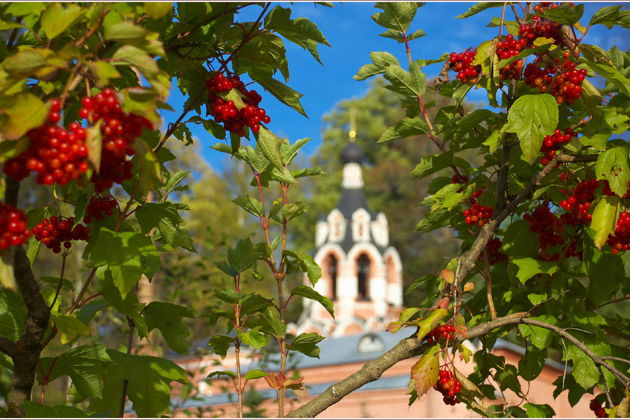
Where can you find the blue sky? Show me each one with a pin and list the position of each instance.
(353, 35)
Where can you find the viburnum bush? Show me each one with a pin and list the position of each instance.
(542, 220)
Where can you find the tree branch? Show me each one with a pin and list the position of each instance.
(412, 346)
(7, 346)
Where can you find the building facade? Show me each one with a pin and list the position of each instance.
(361, 272)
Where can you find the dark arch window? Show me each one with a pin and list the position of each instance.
(363, 263)
(332, 273)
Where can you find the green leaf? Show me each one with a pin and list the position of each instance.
(168, 318)
(243, 256)
(431, 164)
(539, 410)
(283, 93)
(12, 314)
(612, 165)
(426, 324)
(529, 267)
(584, 371)
(269, 145)
(147, 167)
(611, 74)
(220, 344)
(134, 56)
(405, 316)
(250, 205)
(94, 144)
(253, 338)
(290, 151)
(221, 373)
(270, 322)
(305, 264)
(610, 16)
(425, 372)
(57, 18)
(395, 15)
(306, 343)
(540, 337)
(84, 365)
(312, 294)
(479, 7)
(253, 303)
(604, 219)
(227, 295)
(381, 60)
(69, 327)
(147, 380)
(300, 31)
(532, 362)
(406, 127)
(254, 374)
(532, 117)
(566, 14)
(25, 112)
(124, 31)
(293, 210)
(25, 62)
(403, 82)
(33, 409)
(128, 306)
(157, 10)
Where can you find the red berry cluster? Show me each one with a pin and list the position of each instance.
(579, 203)
(99, 207)
(539, 28)
(478, 214)
(459, 179)
(597, 408)
(506, 48)
(620, 240)
(449, 386)
(56, 154)
(445, 332)
(233, 119)
(493, 250)
(548, 228)
(563, 82)
(553, 142)
(119, 130)
(13, 229)
(461, 63)
(58, 230)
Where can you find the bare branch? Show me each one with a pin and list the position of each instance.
(7, 346)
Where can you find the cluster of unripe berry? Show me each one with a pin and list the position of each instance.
(564, 82)
(13, 229)
(442, 332)
(477, 214)
(553, 142)
(506, 48)
(462, 64)
(225, 111)
(119, 130)
(99, 207)
(58, 231)
(56, 154)
(597, 408)
(448, 386)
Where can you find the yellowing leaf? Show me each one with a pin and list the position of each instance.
(425, 372)
(26, 112)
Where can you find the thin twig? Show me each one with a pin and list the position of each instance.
(123, 398)
(63, 267)
(493, 311)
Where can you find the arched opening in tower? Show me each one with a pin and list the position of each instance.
(363, 277)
